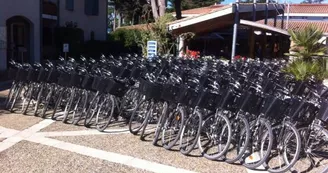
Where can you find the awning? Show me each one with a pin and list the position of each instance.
(263, 26)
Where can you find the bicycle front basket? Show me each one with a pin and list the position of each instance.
(323, 112)
(76, 80)
(188, 96)
(150, 89)
(208, 100)
(21, 75)
(274, 108)
(87, 82)
(170, 93)
(250, 102)
(116, 88)
(64, 79)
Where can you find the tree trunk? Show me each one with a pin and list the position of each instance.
(119, 20)
(114, 23)
(177, 4)
(162, 7)
(154, 8)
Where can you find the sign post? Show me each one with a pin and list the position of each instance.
(151, 49)
(65, 49)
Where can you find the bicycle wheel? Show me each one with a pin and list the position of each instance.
(10, 96)
(190, 132)
(314, 150)
(241, 135)
(160, 123)
(47, 102)
(286, 150)
(215, 136)
(38, 100)
(57, 104)
(172, 128)
(139, 116)
(92, 110)
(155, 112)
(105, 115)
(69, 105)
(80, 107)
(27, 99)
(129, 103)
(261, 144)
(20, 91)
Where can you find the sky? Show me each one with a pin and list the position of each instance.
(282, 1)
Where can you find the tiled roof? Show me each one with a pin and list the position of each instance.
(294, 8)
(218, 8)
(297, 25)
(308, 8)
(201, 10)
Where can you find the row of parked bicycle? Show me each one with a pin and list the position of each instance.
(229, 111)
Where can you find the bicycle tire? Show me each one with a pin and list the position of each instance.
(88, 117)
(38, 100)
(58, 102)
(68, 106)
(46, 103)
(15, 98)
(160, 123)
(245, 130)
(264, 157)
(226, 125)
(185, 150)
(83, 100)
(10, 94)
(28, 98)
(180, 117)
(110, 110)
(142, 121)
(286, 137)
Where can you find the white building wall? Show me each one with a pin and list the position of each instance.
(30, 9)
(98, 24)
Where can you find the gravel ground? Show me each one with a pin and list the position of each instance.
(128, 144)
(59, 126)
(304, 165)
(18, 122)
(30, 157)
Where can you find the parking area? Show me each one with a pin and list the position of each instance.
(33, 144)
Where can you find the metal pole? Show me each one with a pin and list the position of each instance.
(254, 10)
(235, 28)
(266, 11)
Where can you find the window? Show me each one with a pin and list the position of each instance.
(70, 5)
(91, 7)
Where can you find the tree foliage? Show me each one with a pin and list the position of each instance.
(157, 31)
(307, 43)
(310, 54)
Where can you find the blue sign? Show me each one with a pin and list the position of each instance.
(151, 49)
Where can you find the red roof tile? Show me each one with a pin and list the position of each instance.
(308, 8)
(201, 10)
(297, 25)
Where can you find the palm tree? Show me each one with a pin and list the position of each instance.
(307, 43)
(310, 53)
